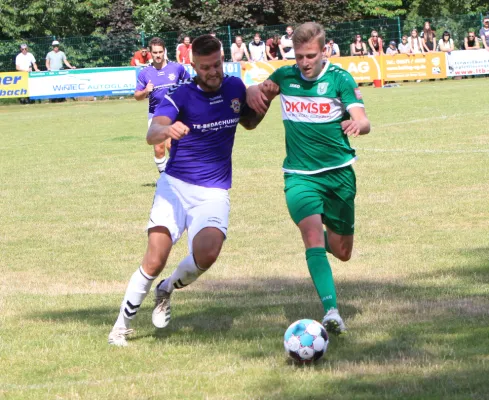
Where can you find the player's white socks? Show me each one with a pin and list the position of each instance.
(187, 272)
(161, 163)
(137, 289)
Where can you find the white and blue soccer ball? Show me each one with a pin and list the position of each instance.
(306, 340)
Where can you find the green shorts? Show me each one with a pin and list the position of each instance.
(330, 194)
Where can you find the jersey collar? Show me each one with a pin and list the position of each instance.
(323, 71)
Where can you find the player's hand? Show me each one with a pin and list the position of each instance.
(256, 99)
(149, 87)
(270, 89)
(350, 128)
(178, 130)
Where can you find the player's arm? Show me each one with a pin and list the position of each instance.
(48, 64)
(258, 97)
(358, 124)
(34, 65)
(163, 128)
(250, 118)
(143, 92)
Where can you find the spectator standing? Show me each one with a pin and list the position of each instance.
(375, 44)
(332, 49)
(392, 49)
(257, 49)
(446, 43)
(184, 51)
(404, 47)
(286, 45)
(213, 34)
(25, 61)
(141, 57)
(56, 58)
(428, 38)
(484, 33)
(415, 43)
(272, 47)
(239, 50)
(358, 47)
(471, 42)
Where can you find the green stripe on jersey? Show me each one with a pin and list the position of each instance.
(312, 112)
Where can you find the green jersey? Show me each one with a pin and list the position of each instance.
(312, 111)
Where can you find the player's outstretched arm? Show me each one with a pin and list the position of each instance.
(258, 97)
(161, 128)
(358, 124)
(250, 119)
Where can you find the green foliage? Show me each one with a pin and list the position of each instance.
(376, 8)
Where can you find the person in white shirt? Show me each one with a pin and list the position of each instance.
(415, 42)
(257, 49)
(404, 47)
(286, 46)
(25, 61)
(446, 43)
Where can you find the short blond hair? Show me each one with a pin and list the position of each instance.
(307, 32)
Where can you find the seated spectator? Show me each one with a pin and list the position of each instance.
(415, 43)
(392, 49)
(446, 43)
(272, 47)
(358, 47)
(184, 51)
(484, 33)
(239, 50)
(404, 47)
(286, 46)
(471, 42)
(56, 58)
(141, 57)
(375, 44)
(428, 38)
(332, 49)
(257, 49)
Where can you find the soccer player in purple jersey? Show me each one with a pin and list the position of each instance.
(200, 116)
(153, 83)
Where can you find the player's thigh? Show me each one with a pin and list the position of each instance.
(312, 231)
(339, 200)
(302, 197)
(213, 212)
(168, 209)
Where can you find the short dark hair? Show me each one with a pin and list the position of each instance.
(205, 45)
(156, 41)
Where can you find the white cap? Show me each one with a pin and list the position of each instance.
(55, 43)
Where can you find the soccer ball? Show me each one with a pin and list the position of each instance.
(306, 340)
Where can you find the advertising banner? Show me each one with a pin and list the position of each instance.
(468, 62)
(82, 82)
(14, 84)
(362, 68)
(253, 73)
(230, 68)
(413, 67)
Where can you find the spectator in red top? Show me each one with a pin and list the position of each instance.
(184, 51)
(272, 47)
(141, 57)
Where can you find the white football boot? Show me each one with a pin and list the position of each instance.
(117, 336)
(162, 311)
(333, 322)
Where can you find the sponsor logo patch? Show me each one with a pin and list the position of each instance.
(236, 105)
(311, 108)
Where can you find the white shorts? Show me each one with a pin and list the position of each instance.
(181, 206)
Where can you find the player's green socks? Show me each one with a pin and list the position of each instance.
(322, 276)
(326, 244)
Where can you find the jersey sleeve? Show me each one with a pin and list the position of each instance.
(141, 83)
(277, 75)
(172, 104)
(348, 91)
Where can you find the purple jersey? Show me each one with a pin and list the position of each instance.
(203, 156)
(163, 79)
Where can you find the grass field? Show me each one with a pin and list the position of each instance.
(77, 183)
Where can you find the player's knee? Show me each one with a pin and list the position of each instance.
(343, 254)
(206, 257)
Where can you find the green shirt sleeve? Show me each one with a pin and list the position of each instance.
(277, 75)
(348, 90)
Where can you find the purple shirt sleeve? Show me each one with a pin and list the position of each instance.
(171, 104)
(141, 83)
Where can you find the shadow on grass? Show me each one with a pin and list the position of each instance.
(417, 341)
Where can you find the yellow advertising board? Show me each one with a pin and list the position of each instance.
(362, 68)
(253, 73)
(14, 84)
(413, 67)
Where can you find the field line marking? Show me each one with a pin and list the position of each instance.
(420, 120)
(425, 151)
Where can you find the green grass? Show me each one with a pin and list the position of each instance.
(77, 183)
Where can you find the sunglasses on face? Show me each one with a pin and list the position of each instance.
(374, 36)
(471, 36)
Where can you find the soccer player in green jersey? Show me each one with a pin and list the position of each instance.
(321, 108)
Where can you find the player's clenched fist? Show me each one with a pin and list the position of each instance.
(149, 87)
(178, 130)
